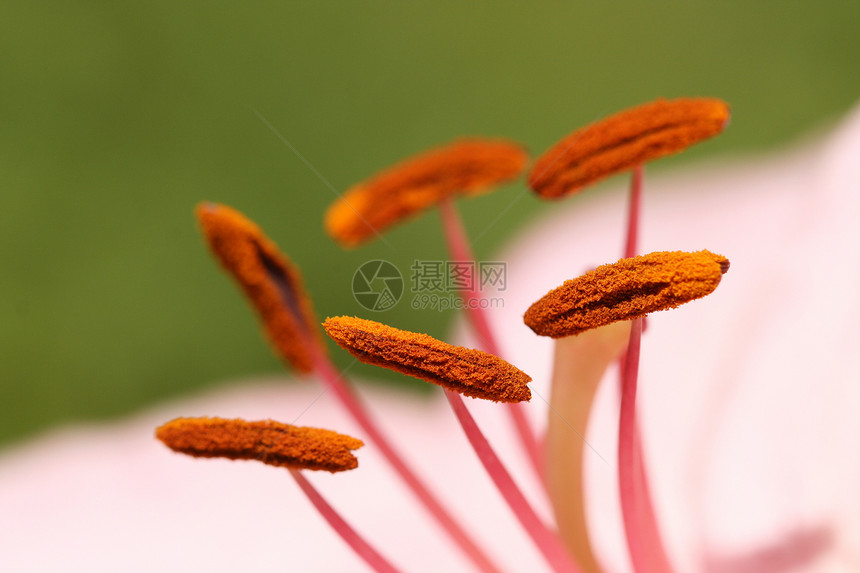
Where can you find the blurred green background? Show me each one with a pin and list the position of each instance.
(117, 118)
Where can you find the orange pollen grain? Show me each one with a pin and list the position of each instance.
(466, 167)
(625, 140)
(625, 290)
(270, 442)
(467, 371)
(269, 279)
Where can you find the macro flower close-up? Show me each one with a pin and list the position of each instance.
(592, 342)
(744, 425)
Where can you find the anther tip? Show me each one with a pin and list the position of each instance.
(207, 207)
(720, 260)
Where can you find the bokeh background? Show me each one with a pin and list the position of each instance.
(117, 118)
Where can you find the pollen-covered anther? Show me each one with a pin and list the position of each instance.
(467, 371)
(266, 441)
(628, 289)
(466, 167)
(625, 140)
(269, 279)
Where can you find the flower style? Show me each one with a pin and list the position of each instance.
(745, 427)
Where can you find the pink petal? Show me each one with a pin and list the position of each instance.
(750, 396)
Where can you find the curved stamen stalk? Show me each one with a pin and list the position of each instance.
(545, 539)
(334, 382)
(639, 505)
(578, 367)
(364, 550)
(460, 250)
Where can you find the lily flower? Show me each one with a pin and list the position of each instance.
(747, 413)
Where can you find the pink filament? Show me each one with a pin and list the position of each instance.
(460, 250)
(640, 520)
(350, 401)
(376, 561)
(546, 540)
(634, 209)
(628, 455)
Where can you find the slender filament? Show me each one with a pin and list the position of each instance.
(364, 550)
(647, 525)
(460, 250)
(338, 386)
(544, 538)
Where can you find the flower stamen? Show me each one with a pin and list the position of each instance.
(467, 167)
(455, 368)
(269, 279)
(464, 370)
(364, 550)
(460, 250)
(280, 445)
(267, 441)
(275, 288)
(625, 140)
(628, 289)
(546, 540)
(646, 527)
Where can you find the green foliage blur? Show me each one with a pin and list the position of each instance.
(117, 118)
